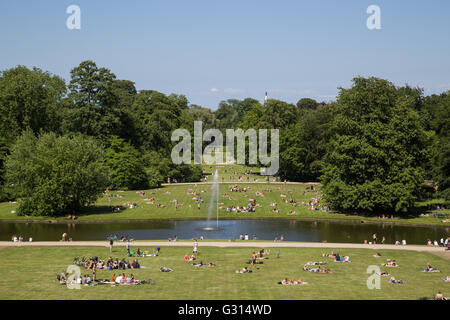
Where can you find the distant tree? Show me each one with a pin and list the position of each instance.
(307, 103)
(252, 118)
(230, 113)
(375, 156)
(54, 175)
(278, 114)
(205, 115)
(303, 145)
(441, 168)
(125, 165)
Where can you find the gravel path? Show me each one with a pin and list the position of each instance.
(223, 244)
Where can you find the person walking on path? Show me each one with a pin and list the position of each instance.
(195, 250)
(128, 247)
(111, 243)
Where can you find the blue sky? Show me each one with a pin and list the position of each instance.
(215, 50)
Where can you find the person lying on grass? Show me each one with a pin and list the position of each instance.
(377, 255)
(243, 270)
(165, 269)
(429, 268)
(390, 263)
(392, 280)
(204, 265)
(287, 281)
(337, 258)
(313, 263)
(446, 279)
(316, 270)
(383, 274)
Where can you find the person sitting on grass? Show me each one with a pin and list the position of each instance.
(429, 268)
(377, 255)
(392, 280)
(329, 255)
(439, 296)
(165, 269)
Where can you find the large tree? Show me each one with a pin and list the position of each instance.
(29, 99)
(126, 167)
(375, 157)
(55, 175)
(303, 145)
(99, 105)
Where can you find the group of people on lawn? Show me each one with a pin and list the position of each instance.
(109, 264)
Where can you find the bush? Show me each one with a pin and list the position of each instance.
(55, 175)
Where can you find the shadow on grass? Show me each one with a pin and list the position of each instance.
(92, 210)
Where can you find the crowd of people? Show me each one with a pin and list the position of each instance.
(108, 264)
(86, 280)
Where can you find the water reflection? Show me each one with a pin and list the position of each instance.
(293, 230)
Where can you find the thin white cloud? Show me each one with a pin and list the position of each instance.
(233, 91)
(214, 90)
(444, 86)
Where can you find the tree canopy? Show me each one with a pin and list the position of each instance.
(53, 175)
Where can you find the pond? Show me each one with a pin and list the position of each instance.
(292, 230)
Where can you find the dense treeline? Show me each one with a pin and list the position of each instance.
(129, 131)
(373, 148)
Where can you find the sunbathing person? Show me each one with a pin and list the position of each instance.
(390, 263)
(392, 280)
(165, 269)
(287, 281)
(377, 255)
(316, 270)
(429, 268)
(383, 274)
(313, 263)
(446, 279)
(243, 270)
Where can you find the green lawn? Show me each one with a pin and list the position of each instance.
(147, 210)
(30, 273)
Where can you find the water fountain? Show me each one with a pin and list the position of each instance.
(213, 204)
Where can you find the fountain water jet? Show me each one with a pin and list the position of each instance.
(213, 204)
